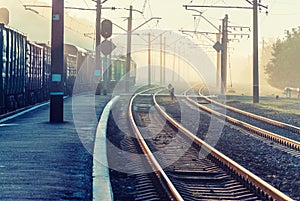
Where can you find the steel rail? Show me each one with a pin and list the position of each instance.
(264, 133)
(254, 116)
(262, 187)
(162, 176)
(293, 144)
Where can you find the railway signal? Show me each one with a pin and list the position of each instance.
(106, 28)
(107, 47)
(218, 46)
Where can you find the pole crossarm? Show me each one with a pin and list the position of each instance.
(28, 7)
(201, 6)
(198, 32)
(258, 4)
(41, 6)
(100, 1)
(228, 7)
(240, 27)
(238, 34)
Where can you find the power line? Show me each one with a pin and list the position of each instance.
(86, 3)
(255, 6)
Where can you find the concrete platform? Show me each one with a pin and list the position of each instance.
(101, 182)
(43, 161)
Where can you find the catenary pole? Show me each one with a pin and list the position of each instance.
(218, 37)
(57, 62)
(254, 7)
(149, 59)
(224, 55)
(160, 60)
(128, 55)
(255, 54)
(98, 69)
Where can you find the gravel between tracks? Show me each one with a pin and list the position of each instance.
(284, 110)
(280, 169)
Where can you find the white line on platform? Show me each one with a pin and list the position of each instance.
(101, 182)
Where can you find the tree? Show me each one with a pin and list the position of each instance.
(284, 67)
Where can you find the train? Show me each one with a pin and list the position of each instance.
(117, 70)
(25, 70)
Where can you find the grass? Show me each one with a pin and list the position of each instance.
(282, 105)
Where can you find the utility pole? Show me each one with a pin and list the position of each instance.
(164, 66)
(110, 69)
(218, 37)
(129, 34)
(255, 54)
(128, 55)
(98, 69)
(174, 63)
(178, 72)
(149, 59)
(57, 63)
(160, 64)
(254, 7)
(224, 55)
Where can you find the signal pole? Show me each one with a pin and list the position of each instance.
(98, 61)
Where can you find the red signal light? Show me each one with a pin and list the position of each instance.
(106, 28)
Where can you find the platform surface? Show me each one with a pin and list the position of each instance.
(44, 161)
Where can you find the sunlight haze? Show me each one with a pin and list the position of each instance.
(80, 25)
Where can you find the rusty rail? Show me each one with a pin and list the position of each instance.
(254, 116)
(161, 175)
(262, 187)
(292, 144)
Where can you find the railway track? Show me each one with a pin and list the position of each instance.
(275, 163)
(253, 123)
(190, 176)
(269, 121)
(129, 177)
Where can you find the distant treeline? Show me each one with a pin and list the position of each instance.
(283, 69)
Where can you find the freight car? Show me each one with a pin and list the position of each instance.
(78, 65)
(117, 72)
(25, 70)
(13, 46)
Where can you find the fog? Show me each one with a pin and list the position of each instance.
(36, 24)
(240, 74)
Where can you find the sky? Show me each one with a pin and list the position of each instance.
(282, 16)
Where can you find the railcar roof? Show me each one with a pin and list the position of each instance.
(73, 49)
